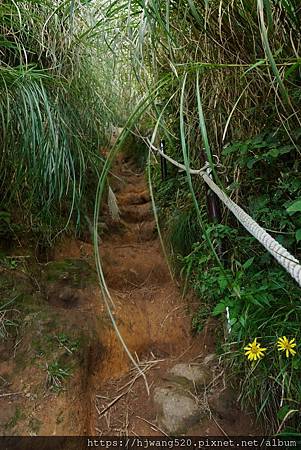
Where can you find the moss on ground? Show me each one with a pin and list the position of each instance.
(75, 273)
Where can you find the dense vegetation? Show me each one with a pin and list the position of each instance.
(223, 83)
(56, 103)
(220, 82)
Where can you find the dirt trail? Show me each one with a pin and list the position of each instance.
(153, 320)
(148, 307)
(106, 394)
(149, 312)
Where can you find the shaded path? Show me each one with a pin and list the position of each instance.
(148, 307)
(104, 394)
(153, 320)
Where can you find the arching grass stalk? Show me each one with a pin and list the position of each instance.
(144, 104)
(156, 215)
(230, 281)
(99, 195)
(189, 180)
(203, 129)
(107, 298)
(151, 186)
(268, 52)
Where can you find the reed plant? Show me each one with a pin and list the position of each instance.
(58, 98)
(221, 83)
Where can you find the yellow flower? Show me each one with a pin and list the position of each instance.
(286, 346)
(254, 350)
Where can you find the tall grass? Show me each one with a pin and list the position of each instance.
(226, 77)
(57, 100)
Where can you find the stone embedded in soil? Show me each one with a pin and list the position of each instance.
(223, 404)
(177, 410)
(190, 375)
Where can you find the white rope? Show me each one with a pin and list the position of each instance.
(282, 256)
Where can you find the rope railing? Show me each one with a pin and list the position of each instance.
(282, 256)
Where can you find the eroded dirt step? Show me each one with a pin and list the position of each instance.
(137, 213)
(120, 276)
(152, 310)
(131, 266)
(134, 185)
(143, 232)
(146, 318)
(127, 234)
(216, 412)
(134, 198)
(152, 318)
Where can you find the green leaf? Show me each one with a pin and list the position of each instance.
(298, 235)
(248, 263)
(275, 152)
(223, 282)
(251, 162)
(283, 412)
(220, 308)
(242, 321)
(4, 216)
(295, 206)
(296, 364)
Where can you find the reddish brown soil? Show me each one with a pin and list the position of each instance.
(154, 322)
(107, 395)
